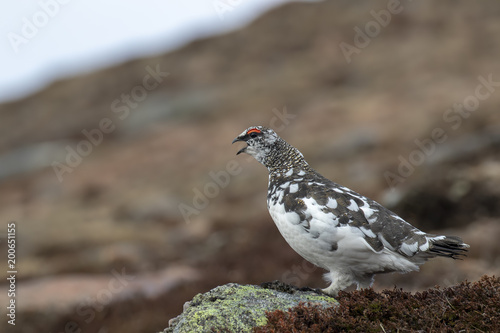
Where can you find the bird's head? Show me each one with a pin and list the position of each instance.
(261, 141)
(270, 150)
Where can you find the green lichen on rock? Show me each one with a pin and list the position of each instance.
(240, 308)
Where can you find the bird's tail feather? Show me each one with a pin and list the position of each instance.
(451, 246)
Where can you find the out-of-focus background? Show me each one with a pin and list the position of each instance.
(120, 176)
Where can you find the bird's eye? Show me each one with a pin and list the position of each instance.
(253, 135)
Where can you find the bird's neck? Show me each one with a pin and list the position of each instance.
(285, 159)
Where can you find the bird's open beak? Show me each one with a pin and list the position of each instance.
(242, 150)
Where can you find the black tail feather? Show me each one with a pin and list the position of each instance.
(451, 246)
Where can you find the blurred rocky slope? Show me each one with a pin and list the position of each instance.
(141, 144)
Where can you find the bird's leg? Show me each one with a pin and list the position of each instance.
(365, 281)
(339, 281)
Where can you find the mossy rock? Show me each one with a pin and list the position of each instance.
(240, 308)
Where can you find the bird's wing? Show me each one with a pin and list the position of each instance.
(337, 206)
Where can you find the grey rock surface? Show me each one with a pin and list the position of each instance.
(239, 308)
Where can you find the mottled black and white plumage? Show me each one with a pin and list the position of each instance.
(333, 227)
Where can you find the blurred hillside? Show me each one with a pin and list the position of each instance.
(126, 177)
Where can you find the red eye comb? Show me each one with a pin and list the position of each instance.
(254, 130)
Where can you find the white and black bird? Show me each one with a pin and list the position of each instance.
(333, 227)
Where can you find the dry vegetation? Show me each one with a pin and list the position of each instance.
(467, 307)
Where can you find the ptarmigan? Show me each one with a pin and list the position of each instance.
(333, 227)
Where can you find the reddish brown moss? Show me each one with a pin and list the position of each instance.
(467, 307)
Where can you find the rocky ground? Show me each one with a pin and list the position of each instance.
(148, 205)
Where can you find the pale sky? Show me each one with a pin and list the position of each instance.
(42, 40)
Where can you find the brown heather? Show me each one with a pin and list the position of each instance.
(467, 307)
